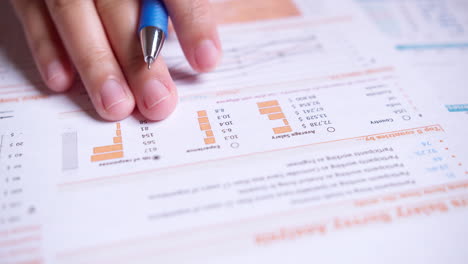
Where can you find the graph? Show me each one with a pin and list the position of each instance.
(205, 126)
(109, 152)
(274, 112)
(251, 58)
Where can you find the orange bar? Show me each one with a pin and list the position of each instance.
(286, 122)
(36, 261)
(118, 140)
(118, 132)
(282, 130)
(118, 125)
(107, 156)
(205, 127)
(209, 133)
(105, 149)
(202, 113)
(210, 140)
(203, 120)
(270, 110)
(267, 104)
(276, 116)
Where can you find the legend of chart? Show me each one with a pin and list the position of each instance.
(109, 152)
(274, 112)
(205, 126)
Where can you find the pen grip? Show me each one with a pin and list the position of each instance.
(154, 14)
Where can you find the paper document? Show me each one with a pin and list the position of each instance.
(433, 37)
(314, 140)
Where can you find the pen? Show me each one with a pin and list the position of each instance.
(152, 28)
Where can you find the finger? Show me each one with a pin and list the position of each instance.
(46, 47)
(154, 90)
(196, 30)
(80, 28)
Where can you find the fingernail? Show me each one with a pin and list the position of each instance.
(154, 92)
(56, 75)
(206, 55)
(112, 93)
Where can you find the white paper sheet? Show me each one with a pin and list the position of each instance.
(313, 141)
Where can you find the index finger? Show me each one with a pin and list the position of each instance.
(84, 37)
(197, 32)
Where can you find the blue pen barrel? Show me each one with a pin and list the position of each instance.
(153, 14)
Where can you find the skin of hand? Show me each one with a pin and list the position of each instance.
(98, 38)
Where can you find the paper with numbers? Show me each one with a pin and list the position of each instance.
(314, 141)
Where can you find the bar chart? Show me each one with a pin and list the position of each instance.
(205, 126)
(108, 152)
(274, 112)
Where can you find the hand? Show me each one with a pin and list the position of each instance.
(99, 38)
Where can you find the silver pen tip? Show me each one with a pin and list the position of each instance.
(149, 60)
